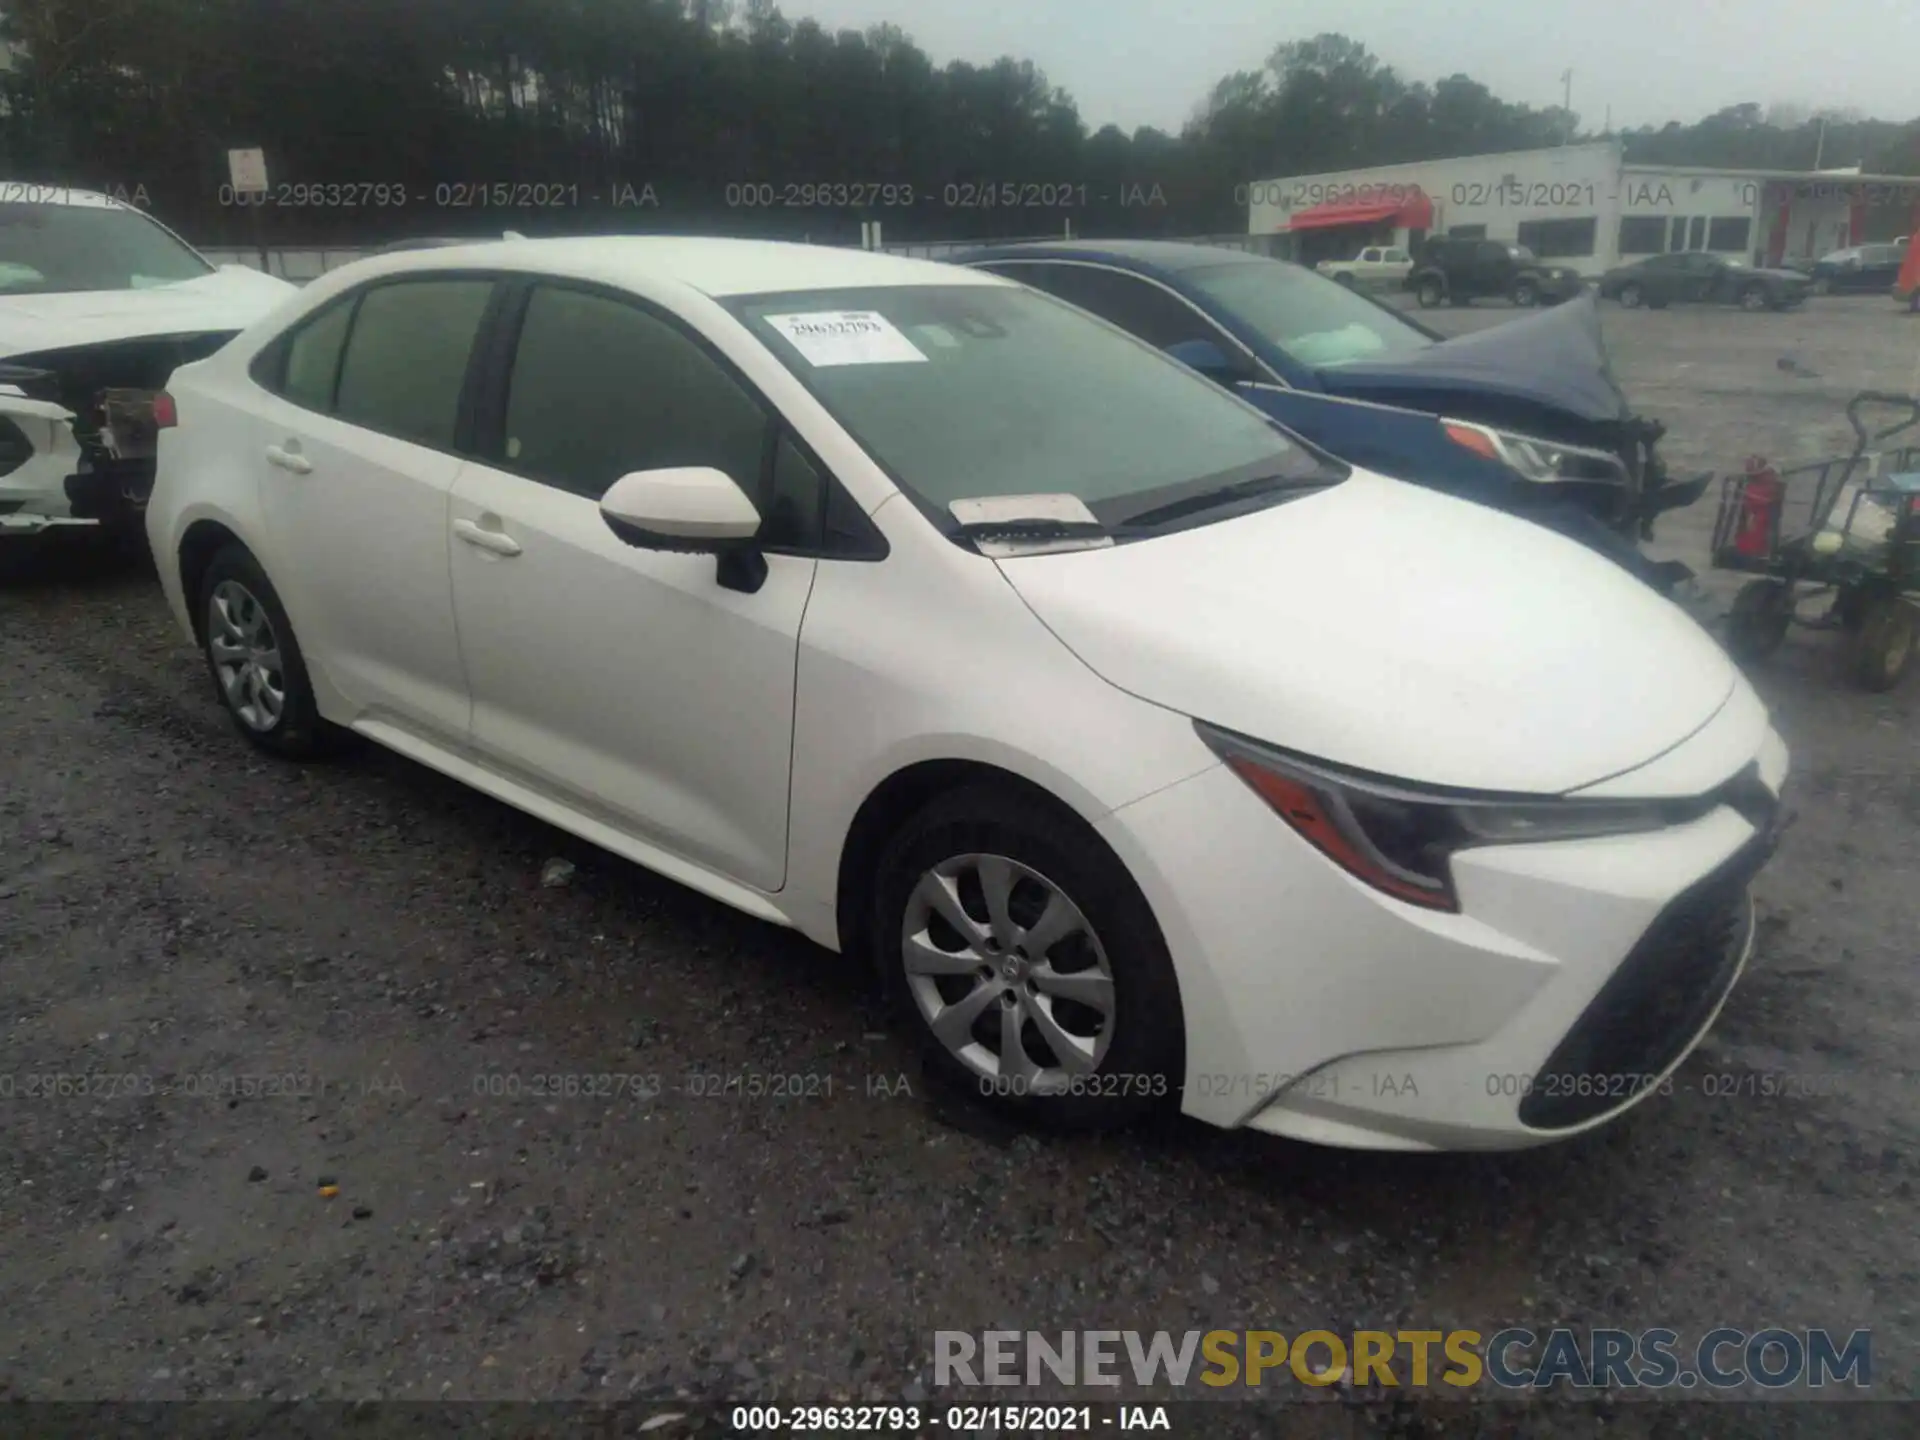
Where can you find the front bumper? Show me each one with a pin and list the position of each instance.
(43, 454)
(50, 479)
(1575, 979)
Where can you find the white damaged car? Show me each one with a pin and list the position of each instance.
(98, 303)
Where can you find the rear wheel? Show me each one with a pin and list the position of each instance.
(1344, 279)
(1754, 297)
(258, 670)
(1884, 643)
(1630, 296)
(1758, 622)
(1823, 286)
(1027, 962)
(1430, 292)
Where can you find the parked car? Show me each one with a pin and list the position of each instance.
(98, 302)
(927, 615)
(1858, 270)
(1456, 271)
(1377, 267)
(1524, 416)
(1696, 276)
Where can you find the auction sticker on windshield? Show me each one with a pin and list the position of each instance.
(846, 337)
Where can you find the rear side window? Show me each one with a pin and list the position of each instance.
(313, 357)
(406, 358)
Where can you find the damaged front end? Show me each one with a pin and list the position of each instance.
(1547, 376)
(78, 430)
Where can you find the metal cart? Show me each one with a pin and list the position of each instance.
(1845, 528)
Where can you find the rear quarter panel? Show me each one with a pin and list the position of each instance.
(203, 471)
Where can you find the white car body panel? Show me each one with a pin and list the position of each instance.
(1352, 583)
(231, 298)
(1375, 625)
(228, 298)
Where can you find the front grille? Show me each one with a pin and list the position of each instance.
(1655, 1003)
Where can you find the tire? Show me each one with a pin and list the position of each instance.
(1630, 296)
(1754, 298)
(270, 700)
(1884, 645)
(1526, 294)
(1758, 621)
(1129, 1060)
(1431, 292)
(1823, 287)
(1344, 279)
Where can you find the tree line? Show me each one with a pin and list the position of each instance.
(382, 119)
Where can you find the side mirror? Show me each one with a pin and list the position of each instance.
(691, 510)
(1206, 357)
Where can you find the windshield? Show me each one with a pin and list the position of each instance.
(1316, 321)
(50, 249)
(974, 391)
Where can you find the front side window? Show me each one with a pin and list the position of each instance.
(1317, 321)
(48, 249)
(601, 388)
(406, 357)
(980, 390)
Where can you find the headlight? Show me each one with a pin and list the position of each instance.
(1543, 461)
(1400, 839)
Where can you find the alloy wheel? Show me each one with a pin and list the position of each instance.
(1007, 973)
(246, 656)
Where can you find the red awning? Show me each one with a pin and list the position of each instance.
(1414, 213)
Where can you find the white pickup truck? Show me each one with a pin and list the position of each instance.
(1378, 267)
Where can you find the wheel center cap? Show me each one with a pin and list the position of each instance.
(1013, 969)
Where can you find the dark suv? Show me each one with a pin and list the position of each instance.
(1456, 271)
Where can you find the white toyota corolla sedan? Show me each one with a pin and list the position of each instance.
(1154, 757)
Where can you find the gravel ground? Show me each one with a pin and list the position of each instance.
(183, 923)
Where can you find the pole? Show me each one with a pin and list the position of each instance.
(1566, 102)
(1820, 148)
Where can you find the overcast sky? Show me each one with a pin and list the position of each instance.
(1148, 62)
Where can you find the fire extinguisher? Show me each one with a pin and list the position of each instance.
(1760, 500)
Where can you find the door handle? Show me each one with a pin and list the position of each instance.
(498, 541)
(289, 460)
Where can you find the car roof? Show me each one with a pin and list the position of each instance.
(1161, 254)
(714, 267)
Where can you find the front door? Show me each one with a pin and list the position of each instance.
(630, 683)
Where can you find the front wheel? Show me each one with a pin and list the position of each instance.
(1884, 643)
(1758, 622)
(1526, 294)
(1027, 962)
(1754, 297)
(1430, 292)
(1630, 296)
(1344, 279)
(258, 670)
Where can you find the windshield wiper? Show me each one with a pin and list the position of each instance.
(1157, 515)
(1007, 525)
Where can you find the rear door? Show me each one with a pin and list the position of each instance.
(357, 452)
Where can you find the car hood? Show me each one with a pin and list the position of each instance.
(1554, 358)
(230, 298)
(1390, 629)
